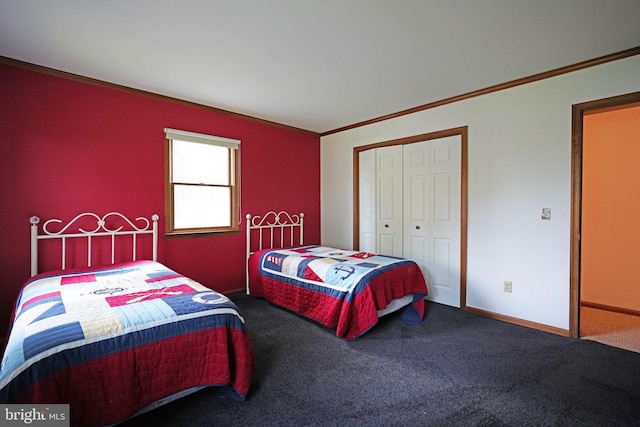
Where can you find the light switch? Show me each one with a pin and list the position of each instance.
(546, 213)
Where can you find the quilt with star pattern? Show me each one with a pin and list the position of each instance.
(110, 341)
(340, 289)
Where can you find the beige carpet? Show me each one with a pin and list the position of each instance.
(610, 328)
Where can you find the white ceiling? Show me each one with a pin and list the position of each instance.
(318, 65)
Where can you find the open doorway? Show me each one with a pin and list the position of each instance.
(604, 192)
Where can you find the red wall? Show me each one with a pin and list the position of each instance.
(69, 147)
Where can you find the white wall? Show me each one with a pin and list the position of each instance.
(519, 161)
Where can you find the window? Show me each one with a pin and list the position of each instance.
(201, 183)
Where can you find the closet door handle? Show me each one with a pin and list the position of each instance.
(386, 226)
(417, 227)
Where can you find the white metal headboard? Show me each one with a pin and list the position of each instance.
(101, 229)
(282, 221)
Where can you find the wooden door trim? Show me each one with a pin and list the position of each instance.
(578, 113)
(461, 131)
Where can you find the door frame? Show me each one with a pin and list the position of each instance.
(578, 112)
(461, 131)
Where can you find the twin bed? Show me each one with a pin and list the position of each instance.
(116, 340)
(344, 290)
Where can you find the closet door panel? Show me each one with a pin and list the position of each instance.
(419, 250)
(417, 205)
(444, 266)
(442, 187)
(367, 190)
(416, 189)
(389, 200)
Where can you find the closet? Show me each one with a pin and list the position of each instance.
(410, 206)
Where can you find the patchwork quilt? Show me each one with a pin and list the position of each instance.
(112, 340)
(339, 289)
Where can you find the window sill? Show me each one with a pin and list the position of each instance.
(171, 235)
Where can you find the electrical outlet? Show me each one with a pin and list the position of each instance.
(508, 286)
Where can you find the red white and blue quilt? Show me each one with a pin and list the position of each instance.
(110, 341)
(340, 289)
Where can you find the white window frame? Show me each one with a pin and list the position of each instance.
(234, 167)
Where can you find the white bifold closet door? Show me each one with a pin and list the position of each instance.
(410, 207)
(389, 204)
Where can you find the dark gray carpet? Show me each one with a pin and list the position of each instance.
(454, 369)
